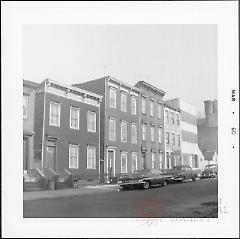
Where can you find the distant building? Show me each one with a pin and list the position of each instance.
(119, 144)
(172, 132)
(208, 131)
(67, 130)
(151, 126)
(190, 152)
(28, 123)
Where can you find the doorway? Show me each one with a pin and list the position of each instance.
(111, 162)
(51, 156)
(144, 163)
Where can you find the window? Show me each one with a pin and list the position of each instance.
(133, 105)
(25, 106)
(178, 119)
(73, 156)
(112, 129)
(160, 135)
(113, 98)
(173, 138)
(178, 136)
(124, 131)
(134, 161)
(144, 132)
(74, 118)
(151, 108)
(123, 163)
(144, 105)
(172, 117)
(159, 111)
(91, 157)
(153, 160)
(152, 133)
(161, 162)
(91, 121)
(123, 102)
(166, 116)
(54, 118)
(134, 133)
(167, 137)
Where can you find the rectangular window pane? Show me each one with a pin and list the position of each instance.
(134, 105)
(160, 135)
(152, 133)
(151, 108)
(123, 102)
(73, 156)
(123, 131)
(167, 137)
(153, 160)
(25, 106)
(54, 115)
(166, 116)
(74, 118)
(172, 117)
(159, 111)
(134, 161)
(112, 102)
(144, 105)
(173, 138)
(91, 157)
(144, 131)
(124, 163)
(91, 121)
(161, 162)
(112, 129)
(134, 133)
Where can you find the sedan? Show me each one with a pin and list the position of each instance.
(182, 173)
(210, 171)
(144, 178)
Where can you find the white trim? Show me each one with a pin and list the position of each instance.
(114, 151)
(69, 156)
(59, 118)
(112, 85)
(95, 159)
(124, 90)
(95, 121)
(78, 125)
(124, 153)
(133, 94)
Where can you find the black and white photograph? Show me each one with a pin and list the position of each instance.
(123, 122)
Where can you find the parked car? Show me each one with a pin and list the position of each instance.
(182, 173)
(144, 178)
(210, 171)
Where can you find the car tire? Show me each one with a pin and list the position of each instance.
(164, 184)
(146, 185)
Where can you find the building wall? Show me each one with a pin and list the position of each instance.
(148, 146)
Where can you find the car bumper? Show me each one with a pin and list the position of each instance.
(130, 183)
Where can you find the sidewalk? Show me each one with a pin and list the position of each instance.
(71, 192)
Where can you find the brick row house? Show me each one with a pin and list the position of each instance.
(119, 144)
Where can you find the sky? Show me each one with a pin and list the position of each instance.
(179, 59)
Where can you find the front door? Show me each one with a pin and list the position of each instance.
(25, 153)
(50, 157)
(110, 163)
(144, 166)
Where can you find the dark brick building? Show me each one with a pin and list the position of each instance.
(119, 150)
(67, 130)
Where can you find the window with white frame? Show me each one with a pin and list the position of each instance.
(172, 117)
(25, 106)
(173, 138)
(152, 133)
(151, 108)
(166, 116)
(167, 137)
(161, 161)
(153, 160)
(134, 133)
(123, 163)
(134, 161)
(74, 117)
(144, 132)
(178, 119)
(160, 131)
(54, 115)
(179, 140)
(124, 131)
(112, 129)
(91, 157)
(133, 105)
(91, 121)
(144, 105)
(159, 111)
(73, 156)
(123, 101)
(113, 98)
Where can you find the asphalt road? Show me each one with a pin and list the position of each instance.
(191, 199)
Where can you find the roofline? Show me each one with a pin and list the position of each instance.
(151, 86)
(75, 89)
(171, 107)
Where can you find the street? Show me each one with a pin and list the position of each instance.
(191, 199)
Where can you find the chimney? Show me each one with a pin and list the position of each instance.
(208, 108)
(215, 106)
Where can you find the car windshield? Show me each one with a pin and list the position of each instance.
(211, 166)
(142, 171)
